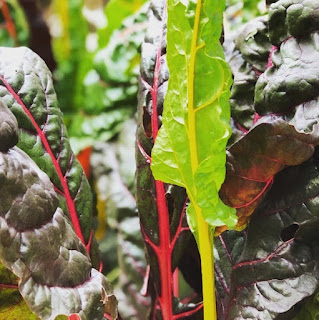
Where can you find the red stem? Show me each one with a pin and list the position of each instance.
(8, 286)
(164, 249)
(176, 283)
(9, 23)
(166, 245)
(63, 179)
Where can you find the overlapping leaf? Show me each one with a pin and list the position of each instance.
(277, 89)
(188, 150)
(161, 207)
(266, 271)
(27, 88)
(248, 58)
(37, 240)
(272, 146)
(272, 266)
(118, 232)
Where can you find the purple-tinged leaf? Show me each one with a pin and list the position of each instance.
(268, 270)
(161, 207)
(271, 147)
(26, 86)
(273, 265)
(38, 243)
(248, 57)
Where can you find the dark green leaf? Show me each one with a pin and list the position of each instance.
(38, 243)
(27, 88)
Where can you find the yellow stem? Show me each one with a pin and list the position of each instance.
(207, 266)
(204, 235)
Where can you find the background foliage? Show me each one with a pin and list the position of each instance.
(93, 48)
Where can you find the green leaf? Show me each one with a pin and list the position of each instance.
(12, 305)
(195, 124)
(27, 88)
(38, 243)
(310, 310)
(266, 270)
(116, 11)
(195, 128)
(70, 51)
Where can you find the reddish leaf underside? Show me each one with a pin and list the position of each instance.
(161, 237)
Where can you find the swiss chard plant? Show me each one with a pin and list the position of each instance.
(258, 271)
(161, 206)
(46, 218)
(250, 197)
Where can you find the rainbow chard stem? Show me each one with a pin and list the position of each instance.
(156, 201)
(190, 149)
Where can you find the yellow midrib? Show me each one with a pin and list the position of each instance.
(204, 237)
(190, 91)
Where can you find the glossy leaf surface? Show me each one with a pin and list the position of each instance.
(269, 270)
(27, 88)
(187, 148)
(266, 270)
(272, 146)
(37, 240)
(161, 207)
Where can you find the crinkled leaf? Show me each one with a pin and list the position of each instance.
(271, 147)
(264, 271)
(118, 225)
(292, 18)
(38, 243)
(27, 88)
(133, 270)
(268, 270)
(161, 207)
(292, 78)
(248, 58)
(195, 104)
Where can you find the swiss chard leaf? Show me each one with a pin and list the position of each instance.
(110, 87)
(118, 229)
(190, 148)
(186, 146)
(38, 243)
(272, 146)
(161, 207)
(269, 268)
(116, 11)
(267, 271)
(27, 88)
(292, 18)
